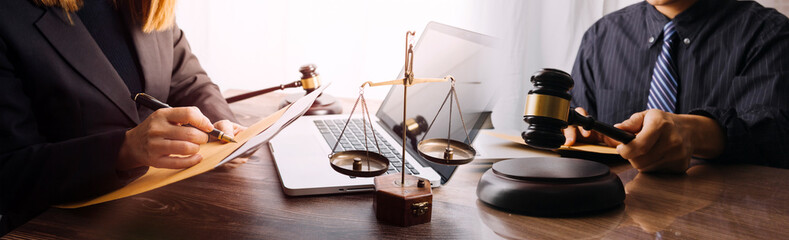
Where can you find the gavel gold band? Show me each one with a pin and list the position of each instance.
(311, 83)
(547, 106)
(411, 125)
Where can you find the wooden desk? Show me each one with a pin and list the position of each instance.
(710, 202)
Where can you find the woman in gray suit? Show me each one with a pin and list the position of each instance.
(69, 129)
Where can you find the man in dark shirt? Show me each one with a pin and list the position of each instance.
(716, 88)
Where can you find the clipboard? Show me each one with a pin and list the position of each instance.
(214, 153)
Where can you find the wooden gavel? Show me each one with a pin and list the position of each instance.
(309, 81)
(548, 112)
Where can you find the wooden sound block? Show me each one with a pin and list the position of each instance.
(403, 204)
(550, 187)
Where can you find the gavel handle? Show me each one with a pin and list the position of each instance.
(262, 91)
(590, 123)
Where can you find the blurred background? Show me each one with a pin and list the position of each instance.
(253, 44)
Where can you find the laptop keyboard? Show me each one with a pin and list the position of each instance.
(353, 139)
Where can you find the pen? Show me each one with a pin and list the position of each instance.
(154, 104)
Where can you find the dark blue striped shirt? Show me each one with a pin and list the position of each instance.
(732, 61)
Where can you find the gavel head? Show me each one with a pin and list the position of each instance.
(309, 78)
(414, 127)
(547, 108)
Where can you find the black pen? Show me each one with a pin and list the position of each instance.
(154, 104)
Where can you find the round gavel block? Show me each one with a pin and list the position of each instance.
(547, 108)
(550, 186)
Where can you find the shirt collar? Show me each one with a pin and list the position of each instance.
(687, 23)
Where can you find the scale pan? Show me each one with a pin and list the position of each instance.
(370, 164)
(435, 150)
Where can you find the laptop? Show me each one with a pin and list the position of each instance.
(301, 151)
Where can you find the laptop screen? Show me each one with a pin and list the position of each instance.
(444, 50)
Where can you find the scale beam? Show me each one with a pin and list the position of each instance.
(402, 81)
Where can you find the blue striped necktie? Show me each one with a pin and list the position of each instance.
(663, 88)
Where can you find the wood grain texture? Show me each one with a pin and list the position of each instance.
(709, 202)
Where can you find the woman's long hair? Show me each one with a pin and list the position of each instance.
(155, 15)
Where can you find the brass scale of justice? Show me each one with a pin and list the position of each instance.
(392, 193)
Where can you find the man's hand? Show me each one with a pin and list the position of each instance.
(665, 142)
(574, 133)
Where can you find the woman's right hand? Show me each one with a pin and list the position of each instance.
(162, 135)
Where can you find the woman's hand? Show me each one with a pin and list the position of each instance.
(161, 135)
(232, 129)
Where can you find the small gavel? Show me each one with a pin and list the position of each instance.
(548, 112)
(309, 81)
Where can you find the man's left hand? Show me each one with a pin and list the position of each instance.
(665, 142)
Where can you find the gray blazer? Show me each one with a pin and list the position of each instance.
(64, 110)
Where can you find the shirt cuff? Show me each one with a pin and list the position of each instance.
(727, 120)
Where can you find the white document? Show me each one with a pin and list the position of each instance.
(296, 110)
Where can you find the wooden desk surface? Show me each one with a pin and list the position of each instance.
(710, 202)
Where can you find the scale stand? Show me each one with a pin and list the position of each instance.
(402, 200)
